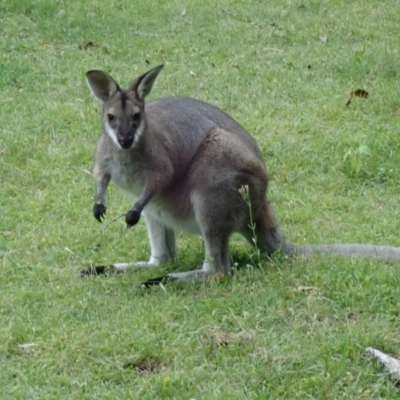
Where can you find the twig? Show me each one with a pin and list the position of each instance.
(109, 223)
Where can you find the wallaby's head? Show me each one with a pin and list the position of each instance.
(123, 109)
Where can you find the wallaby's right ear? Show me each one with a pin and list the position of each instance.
(101, 84)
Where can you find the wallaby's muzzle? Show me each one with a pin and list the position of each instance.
(125, 134)
(125, 142)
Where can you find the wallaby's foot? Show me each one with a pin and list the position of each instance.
(184, 277)
(117, 268)
(105, 269)
(99, 211)
(145, 264)
(97, 270)
(155, 281)
(132, 218)
(179, 277)
(189, 276)
(120, 268)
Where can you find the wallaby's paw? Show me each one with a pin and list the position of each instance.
(96, 270)
(217, 277)
(132, 218)
(99, 211)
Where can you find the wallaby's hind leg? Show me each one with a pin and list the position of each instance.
(162, 244)
(216, 260)
(216, 223)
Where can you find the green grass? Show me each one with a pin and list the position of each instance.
(252, 336)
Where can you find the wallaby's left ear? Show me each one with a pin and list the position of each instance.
(142, 86)
(101, 84)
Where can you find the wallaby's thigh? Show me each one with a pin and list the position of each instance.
(216, 224)
(231, 181)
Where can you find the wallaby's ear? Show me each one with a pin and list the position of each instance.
(101, 84)
(142, 86)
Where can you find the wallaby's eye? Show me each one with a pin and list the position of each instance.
(136, 117)
(110, 117)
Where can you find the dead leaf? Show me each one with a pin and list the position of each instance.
(26, 346)
(223, 339)
(183, 13)
(90, 46)
(45, 43)
(305, 289)
(361, 93)
(349, 100)
(192, 74)
(324, 39)
(217, 277)
(144, 364)
(358, 93)
(8, 233)
(352, 317)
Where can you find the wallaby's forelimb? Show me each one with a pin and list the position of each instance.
(99, 208)
(133, 215)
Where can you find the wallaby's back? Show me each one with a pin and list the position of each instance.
(187, 121)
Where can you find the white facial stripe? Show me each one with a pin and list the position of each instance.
(111, 134)
(139, 132)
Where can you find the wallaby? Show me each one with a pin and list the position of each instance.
(186, 161)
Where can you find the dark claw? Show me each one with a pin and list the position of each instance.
(99, 211)
(95, 270)
(156, 281)
(132, 218)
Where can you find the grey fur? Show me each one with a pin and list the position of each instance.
(185, 161)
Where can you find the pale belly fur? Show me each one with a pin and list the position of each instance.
(157, 210)
(188, 225)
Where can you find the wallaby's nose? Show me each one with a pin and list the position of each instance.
(126, 143)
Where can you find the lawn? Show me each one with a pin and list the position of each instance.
(278, 329)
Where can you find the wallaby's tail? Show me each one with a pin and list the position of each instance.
(385, 253)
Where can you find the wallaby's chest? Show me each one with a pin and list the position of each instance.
(173, 210)
(127, 175)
